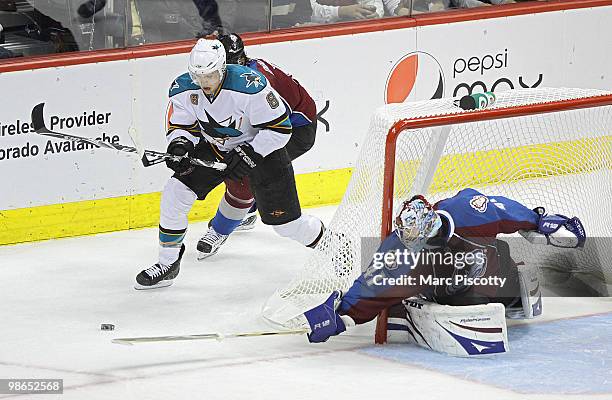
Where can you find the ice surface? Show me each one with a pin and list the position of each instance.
(55, 295)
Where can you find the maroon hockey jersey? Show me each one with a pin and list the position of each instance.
(303, 108)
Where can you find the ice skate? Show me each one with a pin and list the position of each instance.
(210, 243)
(159, 275)
(248, 222)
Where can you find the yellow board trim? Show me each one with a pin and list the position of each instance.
(140, 211)
(510, 165)
(315, 189)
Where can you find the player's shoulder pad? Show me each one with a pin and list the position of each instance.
(244, 80)
(468, 192)
(182, 84)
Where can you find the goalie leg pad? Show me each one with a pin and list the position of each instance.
(531, 294)
(462, 331)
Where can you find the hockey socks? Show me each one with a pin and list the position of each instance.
(230, 214)
(170, 241)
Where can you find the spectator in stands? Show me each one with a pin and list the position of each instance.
(329, 11)
(209, 13)
(90, 7)
(290, 13)
(155, 21)
(34, 31)
(402, 7)
(168, 20)
(477, 3)
(241, 16)
(4, 53)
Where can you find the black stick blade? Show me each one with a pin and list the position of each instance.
(38, 121)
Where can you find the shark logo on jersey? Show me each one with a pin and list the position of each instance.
(217, 131)
(252, 79)
(175, 85)
(479, 203)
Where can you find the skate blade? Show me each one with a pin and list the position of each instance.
(243, 228)
(202, 256)
(247, 224)
(158, 285)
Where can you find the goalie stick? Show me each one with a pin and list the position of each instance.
(149, 157)
(205, 336)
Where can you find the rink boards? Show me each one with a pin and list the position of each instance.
(53, 189)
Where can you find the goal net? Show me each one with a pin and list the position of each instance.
(543, 147)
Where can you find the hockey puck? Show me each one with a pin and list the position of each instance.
(107, 327)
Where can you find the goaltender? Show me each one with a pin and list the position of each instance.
(448, 255)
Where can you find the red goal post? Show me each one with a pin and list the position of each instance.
(405, 125)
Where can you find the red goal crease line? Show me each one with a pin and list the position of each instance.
(405, 125)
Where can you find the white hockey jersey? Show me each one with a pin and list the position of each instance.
(245, 108)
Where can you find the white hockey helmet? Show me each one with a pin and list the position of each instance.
(416, 222)
(206, 57)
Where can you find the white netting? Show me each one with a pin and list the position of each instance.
(561, 161)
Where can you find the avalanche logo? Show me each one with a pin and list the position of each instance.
(417, 76)
(479, 203)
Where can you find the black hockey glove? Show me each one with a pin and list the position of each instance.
(179, 147)
(241, 160)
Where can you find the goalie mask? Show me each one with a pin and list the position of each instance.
(416, 222)
(207, 64)
(234, 49)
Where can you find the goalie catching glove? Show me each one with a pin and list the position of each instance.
(241, 160)
(180, 146)
(561, 231)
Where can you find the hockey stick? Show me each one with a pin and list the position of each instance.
(204, 336)
(149, 157)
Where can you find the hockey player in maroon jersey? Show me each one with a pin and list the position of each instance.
(238, 194)
(476, 269)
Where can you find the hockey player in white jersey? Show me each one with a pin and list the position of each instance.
(303, 116)
(226, 113)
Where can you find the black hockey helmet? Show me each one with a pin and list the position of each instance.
(234, 48)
